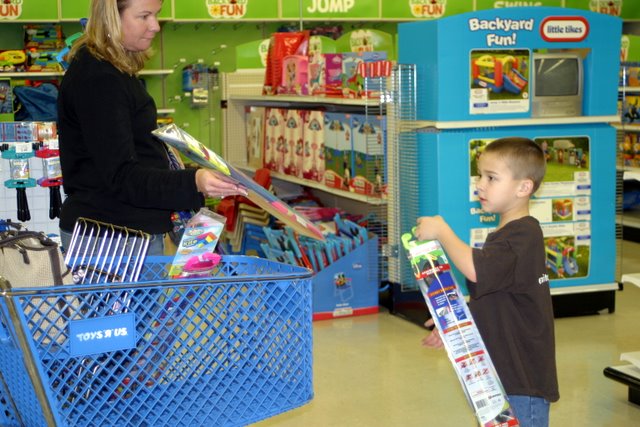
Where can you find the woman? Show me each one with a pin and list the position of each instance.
(114, 170)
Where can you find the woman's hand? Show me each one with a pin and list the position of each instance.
(215, 184)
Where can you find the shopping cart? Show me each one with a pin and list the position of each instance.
(230, 349)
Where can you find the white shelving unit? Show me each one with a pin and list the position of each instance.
(244, 88)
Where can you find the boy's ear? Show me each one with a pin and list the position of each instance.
(526, 188)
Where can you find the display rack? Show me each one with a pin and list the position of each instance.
(243, 88)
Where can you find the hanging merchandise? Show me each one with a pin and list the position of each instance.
(18, 155)
(195, 82)
(50, 155)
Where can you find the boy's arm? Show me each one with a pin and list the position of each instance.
(436, 228)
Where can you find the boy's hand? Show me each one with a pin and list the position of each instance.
(433, 340)
(429, 227)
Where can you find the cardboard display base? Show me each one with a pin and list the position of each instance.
(349, 286)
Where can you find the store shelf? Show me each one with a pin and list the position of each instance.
(320, 186)
(629, 89)
(160, 72)
(292, 100)
(627, 127)
(31, 74)
(633, 278)
(569, 290)
(631, 173)
(540, 121)
(630, 219)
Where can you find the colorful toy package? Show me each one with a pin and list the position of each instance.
(459, 333)
(200, 238)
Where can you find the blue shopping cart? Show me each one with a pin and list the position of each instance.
(226, 350)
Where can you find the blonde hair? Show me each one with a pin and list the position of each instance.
(103, 37)
(524, 158)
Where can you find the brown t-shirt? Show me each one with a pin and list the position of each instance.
(511, 304)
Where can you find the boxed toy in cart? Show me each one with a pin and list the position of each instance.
(229, 349)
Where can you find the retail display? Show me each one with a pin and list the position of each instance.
(515, 93)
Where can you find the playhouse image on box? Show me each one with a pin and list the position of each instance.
(565, 156)
(501, 71)
(565, 259)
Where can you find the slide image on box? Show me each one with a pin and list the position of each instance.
(565, 260)
(499, 81)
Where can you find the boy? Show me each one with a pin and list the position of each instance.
(507, 280)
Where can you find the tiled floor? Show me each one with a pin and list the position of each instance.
(372, 371)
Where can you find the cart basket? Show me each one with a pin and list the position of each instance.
(226, 350)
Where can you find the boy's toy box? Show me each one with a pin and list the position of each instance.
(368, 154)
(274, 141)
(293, 142)
(349, 286)
(514, 63)
(353, 80)
(576, 211)
(200, 237)
(338, 153)
(314, 137)
(295, 80)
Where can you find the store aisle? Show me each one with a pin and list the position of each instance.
(372, 371)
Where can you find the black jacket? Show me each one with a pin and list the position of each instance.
(114, 169)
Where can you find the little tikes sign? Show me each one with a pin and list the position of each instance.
(10, 9)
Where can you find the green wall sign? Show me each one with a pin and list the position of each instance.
(28, 10)
(225, 10)
(497, 4)
(361, 10)
(424, 9)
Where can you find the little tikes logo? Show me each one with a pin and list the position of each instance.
(428, 8)
(227, 9)
(564, 29)
(608, 7)
(10, 9)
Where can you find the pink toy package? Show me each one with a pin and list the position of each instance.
(333, 74)
(317, 74)
(294, 75)
(313, 162)
(274, 139)
(294, 142)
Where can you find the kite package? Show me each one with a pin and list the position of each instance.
(459, 333)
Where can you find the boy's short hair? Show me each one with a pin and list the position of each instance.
(524, 158)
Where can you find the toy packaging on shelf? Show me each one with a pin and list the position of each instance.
(199, 239)
(368, 154)
(459, 333)
(338, 151)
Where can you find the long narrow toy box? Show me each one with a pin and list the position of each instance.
(460, 335)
